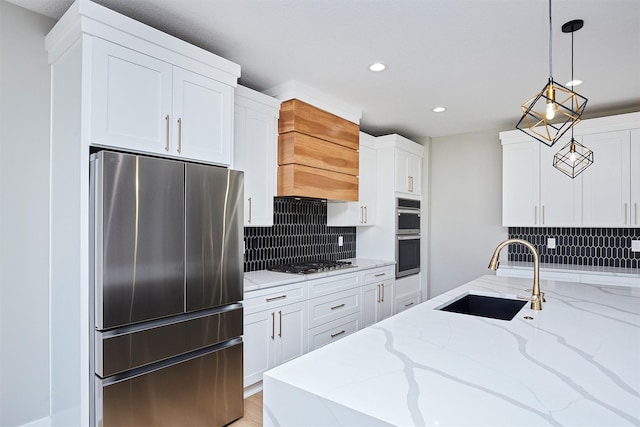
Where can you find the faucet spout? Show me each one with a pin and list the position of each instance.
(536, 295)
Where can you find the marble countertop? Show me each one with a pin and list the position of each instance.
(576, 362)
(570, 268)
(262, 279)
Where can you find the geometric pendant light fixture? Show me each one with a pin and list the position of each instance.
(550, 113)
(574, 157)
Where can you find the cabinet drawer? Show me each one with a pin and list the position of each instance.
(265, 299)
(329, 285)
(333, 331)
(379, 274)
(330, 307)
(407, 302)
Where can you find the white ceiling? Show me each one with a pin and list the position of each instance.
(479, 58)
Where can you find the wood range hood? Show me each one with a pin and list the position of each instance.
(317, 153)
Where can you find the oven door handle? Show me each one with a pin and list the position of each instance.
(408, 211)
(409, 237)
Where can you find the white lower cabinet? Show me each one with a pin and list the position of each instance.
(284, 322)
(377, 295)
(406, 302)
(275, 329)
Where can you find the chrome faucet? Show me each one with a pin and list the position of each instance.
(537, 297)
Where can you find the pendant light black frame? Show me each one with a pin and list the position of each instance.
(566, 104)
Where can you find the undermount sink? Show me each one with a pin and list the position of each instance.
(485, 306)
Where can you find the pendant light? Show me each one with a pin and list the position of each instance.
(554, 110)
(574, 157)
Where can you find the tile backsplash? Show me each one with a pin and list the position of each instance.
(299, 233)
(605, 247)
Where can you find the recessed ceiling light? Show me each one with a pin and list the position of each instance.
(378, 66)
(574, 83)
(439, 109)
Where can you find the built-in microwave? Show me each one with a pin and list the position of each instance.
(407, 216)
(407, 255)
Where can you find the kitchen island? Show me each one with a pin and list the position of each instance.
(576, 362)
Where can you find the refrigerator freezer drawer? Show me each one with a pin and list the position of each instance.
(118, 352)
(205, 390)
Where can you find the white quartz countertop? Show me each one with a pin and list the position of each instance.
(570, 268)
(262, 279)
(575, 363)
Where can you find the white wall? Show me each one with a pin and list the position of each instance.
(24, 216)
(465, 207)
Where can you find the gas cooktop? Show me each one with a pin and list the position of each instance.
(311, 266)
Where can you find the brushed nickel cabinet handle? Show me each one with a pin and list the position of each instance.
(335, 307)
(166, 144)
(275, 298)
(179, 135)
(380, 274)
(535, 214)
(382, 287)
(635, 213)
(365, 215)
(408, 305)
(361, 214)
(338, 333)
(280, 320)
(249, 220)
(273, 325)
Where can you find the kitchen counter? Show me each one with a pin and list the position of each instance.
(577, 362)
(262, 279)
(573, 273)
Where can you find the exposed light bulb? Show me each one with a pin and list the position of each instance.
(550, 111)
(572, 157)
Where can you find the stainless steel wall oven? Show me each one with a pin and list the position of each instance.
(408, 227)
(168, 285)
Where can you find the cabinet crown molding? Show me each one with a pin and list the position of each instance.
(85, 17)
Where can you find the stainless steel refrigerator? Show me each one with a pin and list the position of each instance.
(167, 270)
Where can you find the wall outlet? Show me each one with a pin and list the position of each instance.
(635, 246)
(551, 243)
(340, 241)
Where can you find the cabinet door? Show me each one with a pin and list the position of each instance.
(408, 172)
(367, 185)
(259, 337)
(606, 183)
(386, 305)
(255, 142)
(520, 184)
(202, 119)
(292, 331)
(370, 300)
(635, 177)
(560, 196)
(131, 99)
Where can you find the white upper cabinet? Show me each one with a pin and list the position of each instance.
(606, 194)
(255, 142)
(607, 186)
(408, 172)
(131, 99)
(536, 194)
(362, 212)
(202, 117)
(520, 183)
(634, 213)
(560, 196)
(143, 104)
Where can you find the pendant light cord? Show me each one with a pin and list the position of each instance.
(550, 44)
